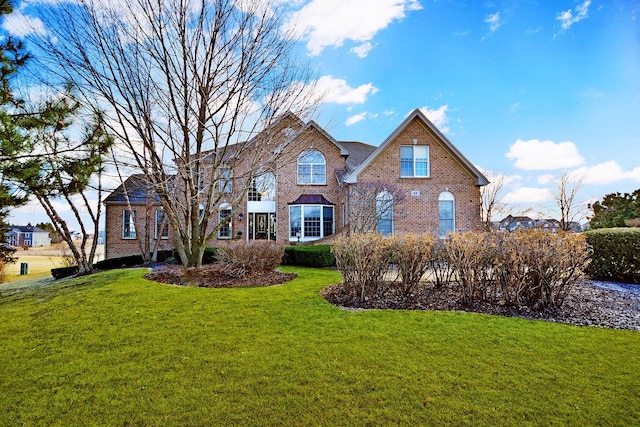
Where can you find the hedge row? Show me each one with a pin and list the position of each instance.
(310, 256)
(616, 254)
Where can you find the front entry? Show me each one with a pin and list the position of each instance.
(262, 226)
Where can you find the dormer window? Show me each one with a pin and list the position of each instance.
(311, 168)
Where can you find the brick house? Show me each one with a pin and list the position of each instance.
(305, 197)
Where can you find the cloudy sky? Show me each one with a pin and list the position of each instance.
(527, 90)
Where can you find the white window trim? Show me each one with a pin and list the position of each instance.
(304, 238)
(229, 224)
(413, 159)
(447, 196)
(132, 226)
(324, 181)
(158, 225)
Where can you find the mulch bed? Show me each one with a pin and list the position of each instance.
(212, 276)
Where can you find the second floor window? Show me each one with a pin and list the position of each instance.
(311, 168)
(414, 161)
(225, 184)
(263, 188)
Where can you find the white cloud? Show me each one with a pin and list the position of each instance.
(494, 21)
(20, 25)
(544, 155)
(438, 117)
(546, 179)
(528, 195)
(325, 23)
(337, 91)
(570, 17)
(363, 50)
(355, 119)
(604, 173)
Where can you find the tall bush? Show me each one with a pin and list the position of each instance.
(363, 260)
(616, 254)
(472, 256)
(411, 253)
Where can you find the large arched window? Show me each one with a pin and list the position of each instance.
(263, 188)
(447, 213)
(311, 168)
(384, 213)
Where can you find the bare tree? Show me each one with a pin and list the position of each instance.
(491, 196)
(565, 199)
(191, 88)
(371, 203)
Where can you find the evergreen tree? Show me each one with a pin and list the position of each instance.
(616, 210)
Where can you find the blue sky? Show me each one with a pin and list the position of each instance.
(527, 90)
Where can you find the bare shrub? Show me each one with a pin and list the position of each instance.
(441, 271)
(512, 266)
(471, 255)
(241, 258)
(557, 262)
(363, 261)
(411, 253)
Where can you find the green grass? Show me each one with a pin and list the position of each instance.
(114, 349)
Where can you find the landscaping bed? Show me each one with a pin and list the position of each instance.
(587, 304)
(213, 276)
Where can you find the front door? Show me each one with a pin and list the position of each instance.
(262, 226)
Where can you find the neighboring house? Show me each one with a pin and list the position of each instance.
(548, 225)
(305, 197)
(27, 236)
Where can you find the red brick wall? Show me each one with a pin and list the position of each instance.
(116, 246)
(420, 213)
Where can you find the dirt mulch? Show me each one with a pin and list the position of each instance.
(588, 304)
(212, 276)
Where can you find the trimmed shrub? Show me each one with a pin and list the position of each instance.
(616, 254)
(241, 258)
(62, 272)
(363, 261)
(472, 256)
(310, 256)
(113, 263)
(441, 272)
(410, 253)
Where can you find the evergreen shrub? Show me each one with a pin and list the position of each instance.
(616, 254)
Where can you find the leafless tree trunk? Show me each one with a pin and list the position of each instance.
(188, 86)
(565, 198)
(491, 196)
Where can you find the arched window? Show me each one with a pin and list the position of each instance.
(447, 213)
(311, 168)
(384, 213)
(263, 188)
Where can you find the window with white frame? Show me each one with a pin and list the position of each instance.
(225, 185)
(384, 213)
(311, 168)
(128, 224)
(414, 161)
(224, 220)
(263, 188)
(162, 225)
(446, 213)
(310, 222)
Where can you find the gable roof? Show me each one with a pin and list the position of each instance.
(26, 229)
(417, 114)
(314, 125)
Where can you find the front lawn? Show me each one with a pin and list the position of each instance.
(115, 349)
